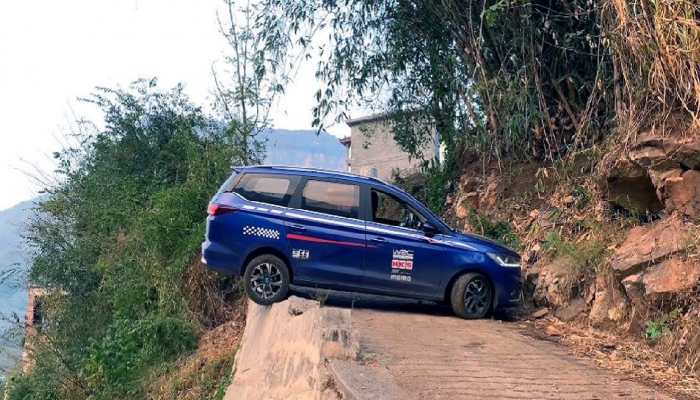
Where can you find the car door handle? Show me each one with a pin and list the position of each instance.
(378, 239)
(297, 227)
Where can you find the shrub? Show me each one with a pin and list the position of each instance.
(114, 239)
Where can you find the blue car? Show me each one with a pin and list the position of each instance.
(277, 226)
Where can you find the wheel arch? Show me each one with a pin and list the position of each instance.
(268, 250)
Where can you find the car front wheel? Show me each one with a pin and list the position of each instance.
(472, 296)
(266, 279)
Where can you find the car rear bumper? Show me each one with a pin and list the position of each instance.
(218, 258)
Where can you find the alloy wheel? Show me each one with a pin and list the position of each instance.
(266, 280)
(477, 296)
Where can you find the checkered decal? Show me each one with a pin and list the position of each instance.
(261, 232)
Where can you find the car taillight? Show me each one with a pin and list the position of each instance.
(218, 209)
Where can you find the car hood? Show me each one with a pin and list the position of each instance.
(480, 243)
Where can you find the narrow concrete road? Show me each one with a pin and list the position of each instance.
(413, 351)
(442, 357)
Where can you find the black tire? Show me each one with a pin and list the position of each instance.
(472, 296)
(266, 279)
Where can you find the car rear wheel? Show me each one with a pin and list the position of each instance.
(472, 296)
(266, 279)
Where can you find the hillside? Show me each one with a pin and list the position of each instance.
(13, 267)
(284, 147)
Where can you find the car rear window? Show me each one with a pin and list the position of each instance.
(331, 198)
(227, 186)
(271, 189)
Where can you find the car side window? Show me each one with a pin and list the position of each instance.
(271, 189)
(331, 198)
(389, 210)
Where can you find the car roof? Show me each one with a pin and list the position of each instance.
(315, 172)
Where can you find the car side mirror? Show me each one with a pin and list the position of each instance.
(429, 229)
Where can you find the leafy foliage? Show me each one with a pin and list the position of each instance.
(246, 90)
(506, 77)
(114, 239)
(660, 326)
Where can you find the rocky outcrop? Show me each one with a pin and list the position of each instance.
(647, 244)
(671, 276)
(652, 261)
(681, 192)
(555, 283)
(284, 350)
(610, 306)
(659, 171)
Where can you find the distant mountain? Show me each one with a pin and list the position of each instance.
(303, 148)
(13, 268)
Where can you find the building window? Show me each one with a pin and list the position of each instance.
(373, 172)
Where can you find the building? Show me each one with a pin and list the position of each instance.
(34, 323)
(372, 150)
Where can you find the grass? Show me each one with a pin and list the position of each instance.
(586, 256)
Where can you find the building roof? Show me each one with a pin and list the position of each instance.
(366, 119)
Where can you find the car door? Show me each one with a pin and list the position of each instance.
(326, 235)
(400, 259)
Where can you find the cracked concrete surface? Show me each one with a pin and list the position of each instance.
(443, 357)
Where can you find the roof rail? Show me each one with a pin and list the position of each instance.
(309, 169)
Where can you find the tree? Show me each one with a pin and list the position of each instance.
(518, 78)
(246, 97)
(114, 240)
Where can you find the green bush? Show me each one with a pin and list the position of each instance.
(662, 325)
(116, 361)
(113, 240)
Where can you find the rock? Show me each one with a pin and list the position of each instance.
(682, 193)
(672, 276)
(636, 194)
(556, 282)
(653, 149)
(659, 178)
(627, 184)
(569, 312)
(465, 203)
(688, 152)
(540, 313)
(610, 305)
(647, 244)
(491, 194)
(634, 289)
(552, 330)
(657, 149)
(652, 171)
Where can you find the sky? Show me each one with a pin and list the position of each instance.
(53, 52)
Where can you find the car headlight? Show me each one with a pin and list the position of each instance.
(505, 260)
